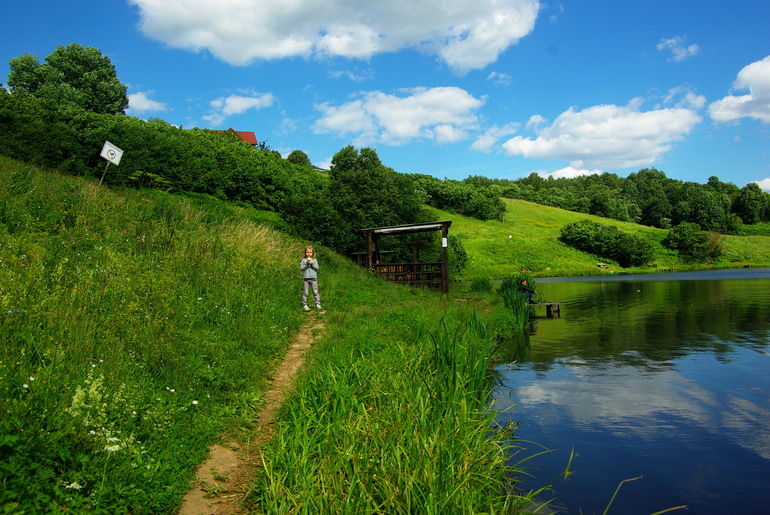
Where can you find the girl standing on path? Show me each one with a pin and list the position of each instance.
(309, 267)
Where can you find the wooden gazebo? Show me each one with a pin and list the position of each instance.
(433, 275)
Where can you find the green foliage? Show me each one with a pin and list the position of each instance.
(69, 139)
(361, 192)
(470, 198)
(365, 434)
(481, 285)
(299, 158)
(125, 320)
(752, 204)
(73, 74)
(693, 244)
(608, 242)
(515, 300)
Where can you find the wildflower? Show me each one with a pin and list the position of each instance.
(195, 403)
(25, 386)
(112, 448)
(73, 486)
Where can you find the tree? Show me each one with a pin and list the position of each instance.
(75, 74)
(299, 158)
(751, 203)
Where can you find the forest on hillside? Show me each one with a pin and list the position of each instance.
(59, 113)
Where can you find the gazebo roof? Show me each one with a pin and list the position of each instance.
(409, 228)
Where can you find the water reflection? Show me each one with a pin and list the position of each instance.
(664, 379)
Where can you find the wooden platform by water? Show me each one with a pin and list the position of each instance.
(552, 309)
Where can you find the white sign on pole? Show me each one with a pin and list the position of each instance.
(111, 153)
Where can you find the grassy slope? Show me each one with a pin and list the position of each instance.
(528, 239)
(136, 326)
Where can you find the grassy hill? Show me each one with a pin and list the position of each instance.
(136, 327)
(528, 239)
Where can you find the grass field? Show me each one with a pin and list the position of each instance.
(528, 239)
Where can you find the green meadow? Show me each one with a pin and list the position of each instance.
(527, 239)
(138, 327)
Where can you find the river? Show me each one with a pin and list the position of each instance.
(662, 378)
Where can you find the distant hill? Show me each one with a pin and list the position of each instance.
(528, 239)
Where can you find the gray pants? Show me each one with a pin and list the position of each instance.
(312, 283)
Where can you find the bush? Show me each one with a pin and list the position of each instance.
(608, 242)
(693, 244)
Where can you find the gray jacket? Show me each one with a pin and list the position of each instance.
(310, 271)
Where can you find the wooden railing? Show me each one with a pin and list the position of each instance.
(415, 274)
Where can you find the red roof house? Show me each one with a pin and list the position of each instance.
(248, 137)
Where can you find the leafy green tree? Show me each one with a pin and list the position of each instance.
(751, 203)
(368, 194)
(75, 74)
(299, 158)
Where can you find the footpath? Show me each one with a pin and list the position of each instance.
(224, 478)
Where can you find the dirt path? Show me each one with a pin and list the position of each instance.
(222, 480)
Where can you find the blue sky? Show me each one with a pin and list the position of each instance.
(498, 88)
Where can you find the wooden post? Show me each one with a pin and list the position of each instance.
(444, 259)
(369, 260)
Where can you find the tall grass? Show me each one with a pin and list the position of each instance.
(136, 327)
(515, 300)
(132, 328)
(391, 417)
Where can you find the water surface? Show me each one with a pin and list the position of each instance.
(664, 377)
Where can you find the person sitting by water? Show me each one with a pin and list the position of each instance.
(527, 291)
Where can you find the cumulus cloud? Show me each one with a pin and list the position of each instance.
(567, 173)
(756, 79)
(678, 48)
(141, 103)
(465, 34)
(223, 107)
(606, 136)
(491, 136)
(442, 115)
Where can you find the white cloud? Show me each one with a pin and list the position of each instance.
(606, 136)
(489, 138)
(683, 96)
(501, 79)
(443, 115)
(756, 78)
(567, 173)
(679, 49)
(764, 184)
(223, 107)
(140, 102)
(465, 34)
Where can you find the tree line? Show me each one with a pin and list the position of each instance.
(58, 114)
(645, 197)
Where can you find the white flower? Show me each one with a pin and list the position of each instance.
(73, 486)
(195, 403)
(25, 385)
(112, 448)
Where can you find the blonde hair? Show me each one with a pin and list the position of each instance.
(312, 251)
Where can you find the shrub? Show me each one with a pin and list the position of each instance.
(694, 244)
(608, 242)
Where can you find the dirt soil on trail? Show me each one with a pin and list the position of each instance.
(223, 479)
